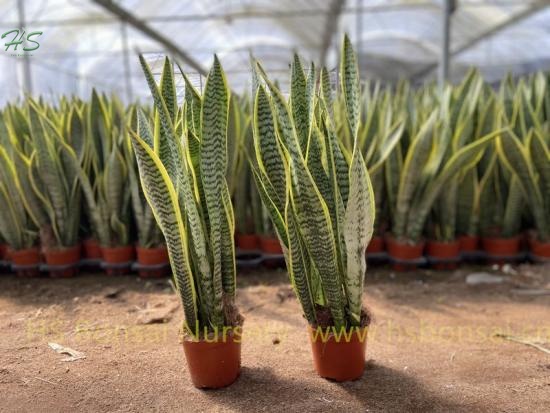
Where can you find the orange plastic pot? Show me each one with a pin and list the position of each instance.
(63, 257)
(214, 364)
(118, 260)
(30, 258)
(271, 246)
(376, 245)
(538, 248)
(92, 250)
(248, 242)
(404, 251)
(442, 251)
(339, 357)
(3, 252)
(154, 257)
(468, 243)
(501, 250)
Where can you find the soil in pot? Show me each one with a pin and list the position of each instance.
(376, 245)
(501, 250)
(248, 242)
(118, 260)
(66, 259)
(338, 354)
(26, 263)
(214, 362)
(443, 255)
(272, 246)
(156, 258)
(406, 254)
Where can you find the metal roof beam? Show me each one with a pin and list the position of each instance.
(245, 14)
(534, 8)
(331, 27)
(144, 28)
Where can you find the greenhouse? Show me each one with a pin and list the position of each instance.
(251, 205)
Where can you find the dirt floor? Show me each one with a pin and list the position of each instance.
(432, 346)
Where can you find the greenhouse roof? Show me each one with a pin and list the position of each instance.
(93, 43)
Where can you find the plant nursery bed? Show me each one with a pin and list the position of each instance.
(437, 343)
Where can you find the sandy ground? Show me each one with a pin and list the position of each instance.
(432, 347)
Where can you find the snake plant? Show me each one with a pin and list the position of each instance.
(529, 162)
(321, 206)
(48, 182)
(458, 107)
(17, 228)
(149, 234)
(182, 166)
(102, 169)
(433, 158)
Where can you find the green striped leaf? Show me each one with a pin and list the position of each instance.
(168, 89)
(268, 152)
(161, 195)
(298, 259)
(213, 163)
(299, 103)
(165, 145)
(349, 80)
(358, 229)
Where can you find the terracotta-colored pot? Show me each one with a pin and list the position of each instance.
(525, 240)
(69, 257)
(468, 243)
(120, 258)
(29, 257)
(376, 245)
(442, 251)
(92, 250)
(214, 364)
(501, 250)
(3, 252)
(338, 358)
(538, 248)
(404, 251)
(271, 246)
(155, 257)
(248, 242)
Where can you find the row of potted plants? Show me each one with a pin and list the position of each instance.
(68, 173)
(466, 248)
(31, 262)
(458, 169)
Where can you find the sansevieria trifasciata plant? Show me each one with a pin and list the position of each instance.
(182, 168)
(321, 204)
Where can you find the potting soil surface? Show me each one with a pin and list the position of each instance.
(437, 343)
